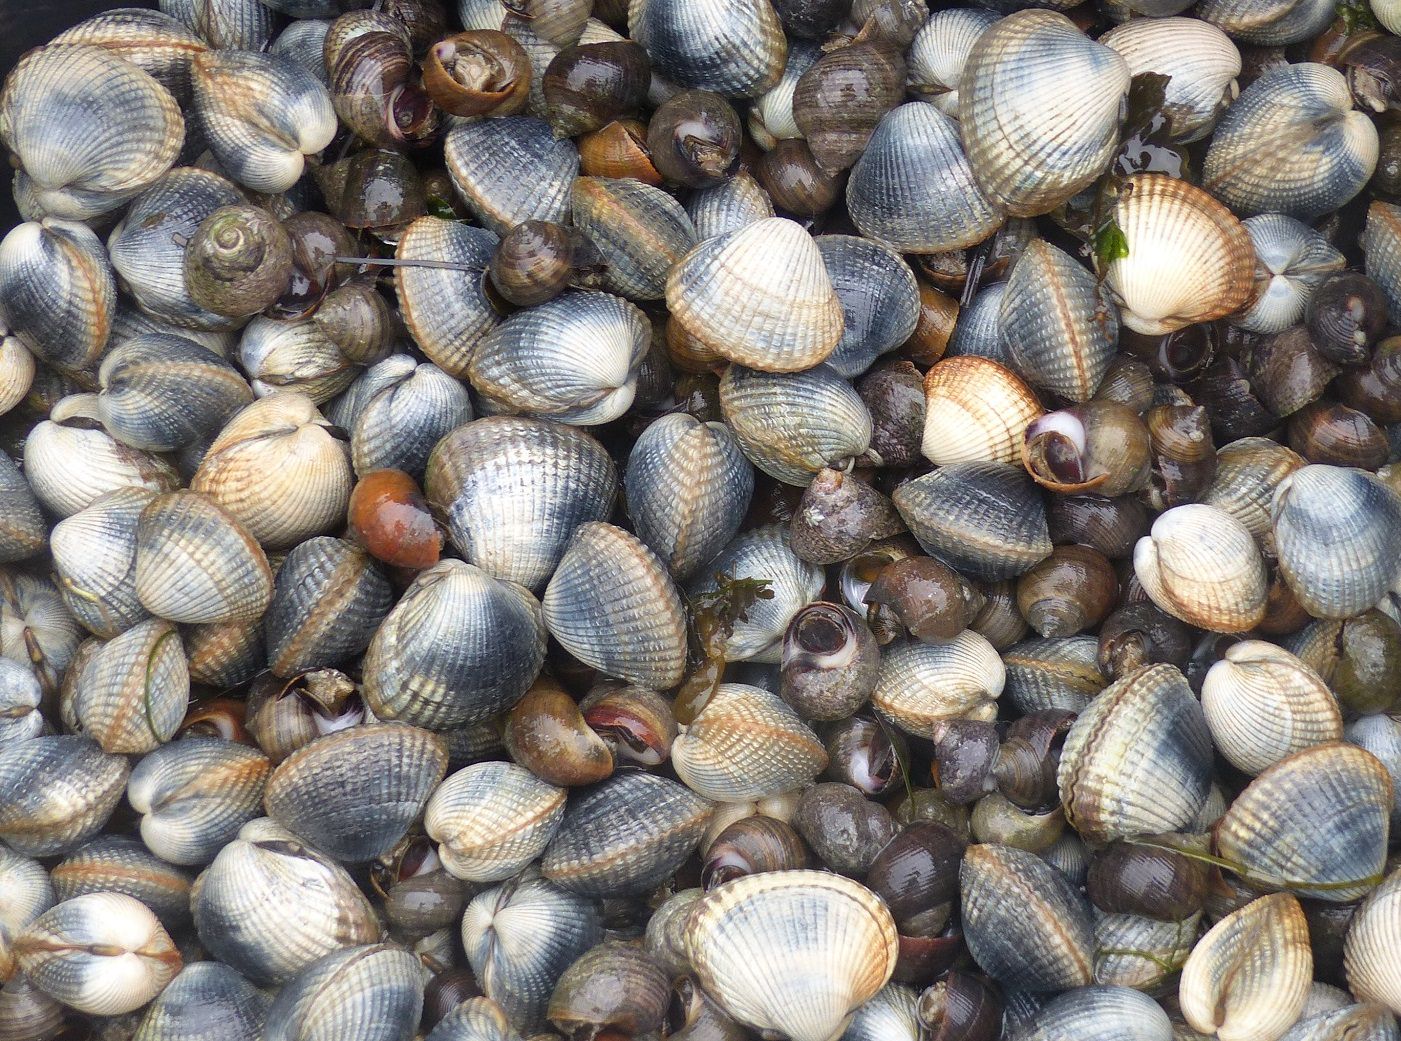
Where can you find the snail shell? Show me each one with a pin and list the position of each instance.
(760, 296)
(613, 606)
(746, 744)
(913, 188)
(732, 47)
(1039, 110)
(510, 170)
(1331, 843)
(1323, 151)
(792, 952)
(1247, 979)
(514, 490)
(492, 819)
(1199, 564)
(447, 312)
(262, 114)
(67, 328)
(88, 129)
(238, 261)
(1263, 704)
(1189, 259)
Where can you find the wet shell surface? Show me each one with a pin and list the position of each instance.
(938, 52)
(56, 792)
(1372, 973)
(1291, 259)
(1199, 564)
(511, 169)
(1200, 60)
(838, 948)
(446, 311)
(373, 992)
(922, 683)
(975, 411)
(492, 819)
(733, 48)
(57, 294)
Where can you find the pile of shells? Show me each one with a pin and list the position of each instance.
(712, 520)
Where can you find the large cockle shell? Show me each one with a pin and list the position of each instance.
(975, 411)
(938, 52)
(1338, 535)
(1200, 61)
(763, 554)
(460, 647)
(1039, 110)
(1321, 151)
(401, 408)
(355, 792)
(733, 47)
(1369, 951)
(101, 953)
(87, 129)
(1263, 704)
(153, 41)
(280, 468)
(208, 1001)
(792, 952)
(624, 835)
(1139, 952)
(519, 938)
(1268, 24)
(760, 296)
(510, 170)
(117, 864)
(514, 490)
(791, 425)
(446, 311)
(57, 792)
(1247, 473)
(1247, 979)
(1199, 564)
(262, 115)
(94, 554)
(1331, 845)
(1059, 330)
(372, 993)
(1137, 760)
(920, 684)
(880, 299)
(297, 355)
(746, 744)
(1189, 259)
(269, 905)
(131, 693)
(492, 819)
(574, 359)
(1024, 923)
(196, 563)
(195, 794)
(728, 206)
(57, 294)
(1053, 674)
(913, 187)
(1291, 259)
(640, 232)
(984, 519)
(687, 486)
(613, 606)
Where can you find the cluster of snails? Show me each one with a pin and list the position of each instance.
(711, 520)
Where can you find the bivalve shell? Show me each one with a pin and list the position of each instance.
(153, 41)
(1137, 760)
(1199, 564)
(510, 170)
(746, 744)
(1200, 61)
(640, 231)
(1369, 951)
(1100, 1013)
(760, 296)
(1291, 259)
(1381, 242)
(23, 529)
(1189, 259)
(372, 993)
(94, 554)
(975, 411)
(492, 819)
(1039, 110)
(446, 311)
(116, 864)
(732, 47)
(57, 792)
(938, 52)
(1247, 473)
(206, 1002)
(131, 693)
(792, 952)
(57, 293)
(920, 684)
(880, 299)
(1270, 24)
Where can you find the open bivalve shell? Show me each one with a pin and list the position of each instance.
(793, 952)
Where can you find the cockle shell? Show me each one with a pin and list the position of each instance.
(733, 47)
(492, 819)
(922, 683)
(1291, 259)
(57, 294)
(975, 411)
(1200, 61)
(938, 52)
(511, 169)
(1199, 564)
(447, 312)
(1369, 959)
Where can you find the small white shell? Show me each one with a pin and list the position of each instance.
(975, 410)
(1200, 564)
(771, 114)
(1291, 259)
(938, 52)
(492, 819)
(921, 683)
(1374, 937)
(1200, 60)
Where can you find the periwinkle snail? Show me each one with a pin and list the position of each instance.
(813, 520)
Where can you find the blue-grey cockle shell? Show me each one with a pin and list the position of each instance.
(1380, 734)
(262, 115)
(1358, 1021)
(57, 293)
(764, 554)
(1100, 1013)
(153, 41)
(94, 553)
(573, 359)
(208, 1001)
(396, 411)
(1268, 23)
(1058, 325)
(1338, 536)
(118, 864)
(1321, 150)
(304, 41)
(732, 47)
(23, 529)
(372, 993)
(27, 893)
(976, 331)
(913, 187)
(511, 169)
(447, 312)
(880, 300)
(329, 598)
(519, 938)
(613, 606)
(938, 52)
(1291, 259)
(514, 490)
(791, 425)
(20, 695)
(728, 206)
(687, 486)
(460, 647)
(639, 231)
(1381, 242)
(57, 792)
(148, 246)
(1039, 105)
(1200, 61)
(87, 129)
(245, 25)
